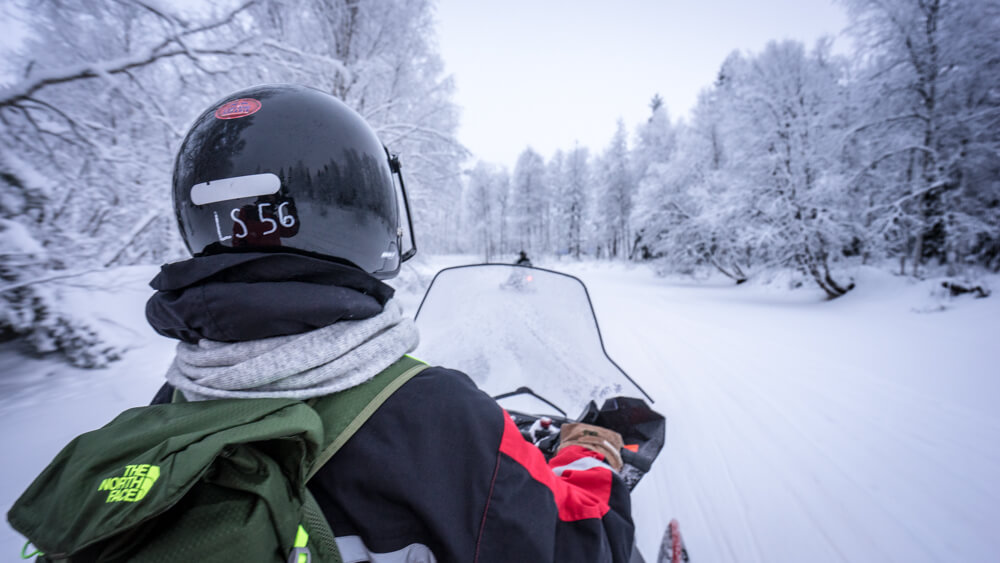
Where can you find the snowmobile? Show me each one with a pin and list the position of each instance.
(521, 278)
(540, 354)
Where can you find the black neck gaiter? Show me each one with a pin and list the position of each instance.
(249, 296)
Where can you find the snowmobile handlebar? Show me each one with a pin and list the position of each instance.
(637, 460)
(641, 428)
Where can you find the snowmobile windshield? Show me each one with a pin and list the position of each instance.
(511, 327)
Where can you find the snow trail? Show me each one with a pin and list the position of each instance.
(806, 430)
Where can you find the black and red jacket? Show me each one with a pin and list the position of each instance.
(440, 467)
(439, 472)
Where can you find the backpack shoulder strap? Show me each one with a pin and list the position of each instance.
(344, 412)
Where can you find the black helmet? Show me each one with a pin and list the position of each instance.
(289, 168)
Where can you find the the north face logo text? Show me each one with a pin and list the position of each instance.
(133, 485)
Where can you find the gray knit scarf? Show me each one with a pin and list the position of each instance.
(323, 361)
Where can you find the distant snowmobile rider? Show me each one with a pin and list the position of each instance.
(294, 211)
(523, 260)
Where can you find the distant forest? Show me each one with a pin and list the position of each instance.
(794, 159)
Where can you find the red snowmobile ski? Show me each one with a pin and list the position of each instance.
(672, 548)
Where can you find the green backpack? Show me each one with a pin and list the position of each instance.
(221, 480)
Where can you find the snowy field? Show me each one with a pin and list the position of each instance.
(862, 429)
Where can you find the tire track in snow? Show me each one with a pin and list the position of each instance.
(736, 426)
(733, 426)
(918, 485)
(709, 442)
(739, 400)
(883, 457)
(678, 483)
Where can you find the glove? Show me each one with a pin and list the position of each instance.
(601, 440)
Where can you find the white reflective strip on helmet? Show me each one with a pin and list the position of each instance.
(235, 188)
(353, 550)
(582, 464)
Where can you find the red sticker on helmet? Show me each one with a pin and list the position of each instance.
(238, 108)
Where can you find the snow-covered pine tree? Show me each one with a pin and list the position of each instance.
(529, 201)
(574, 200)
(485, 196)
(614, 202)
(654, 148)
(555, 180)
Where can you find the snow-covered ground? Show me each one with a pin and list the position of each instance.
(861, 429)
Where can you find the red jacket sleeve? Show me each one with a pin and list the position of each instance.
(579, 505)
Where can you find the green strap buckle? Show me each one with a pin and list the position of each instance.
(300, 553)
(26, 555)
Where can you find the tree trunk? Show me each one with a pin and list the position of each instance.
(635, 245)
(736, 275)
(822, 276)
(918, 251)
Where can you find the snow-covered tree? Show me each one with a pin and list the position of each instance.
(655, 140)
(555, 181)
(654, 147)
(529, 201)
(379, 57)
(87, 139)
(486, 199)
(573, 200)
(754, 180)
(688, 206)
(930, 80)
(782, 109)
(614, 202)
(90, 129)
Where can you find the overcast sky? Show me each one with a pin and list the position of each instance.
(550, 73)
